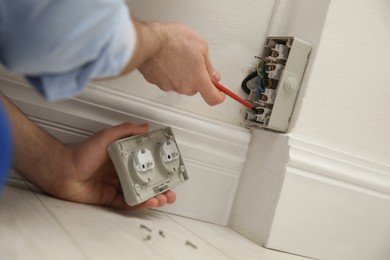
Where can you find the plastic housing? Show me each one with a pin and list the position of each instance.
(147, 164)
(286, 59)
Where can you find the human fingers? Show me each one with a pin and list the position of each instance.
(120, 203)
(166, 197)
(209, 92)
(162, 199)
(215, 76)
(157, 201)
(171, 196)
(149, 204)
(120, 131)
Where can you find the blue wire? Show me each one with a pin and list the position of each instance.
(260, 88)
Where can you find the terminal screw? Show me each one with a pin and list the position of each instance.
(161, 233)
(147, 238)
(188, 243)
(145, 227)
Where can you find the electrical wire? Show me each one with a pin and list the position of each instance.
(244, 83)
(262, 79)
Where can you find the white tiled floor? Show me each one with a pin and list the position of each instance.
(36, 226)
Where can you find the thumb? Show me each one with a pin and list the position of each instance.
(214, 74)
(211, 94)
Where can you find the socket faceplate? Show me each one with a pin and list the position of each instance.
(147, 164)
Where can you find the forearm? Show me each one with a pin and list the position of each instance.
(150, 38)
(37, 155)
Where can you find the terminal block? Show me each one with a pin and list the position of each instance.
(147, 164)
(280, 75)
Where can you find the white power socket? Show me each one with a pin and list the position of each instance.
(147, 164)
(286, 59)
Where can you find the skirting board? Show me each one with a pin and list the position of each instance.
(214, 152)
(332, 205)
(303, 198)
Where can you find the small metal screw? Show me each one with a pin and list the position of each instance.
(161, 233)
(188, 243)
(145, 227)
(148, 237)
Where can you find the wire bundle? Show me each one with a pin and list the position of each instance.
(263, 80)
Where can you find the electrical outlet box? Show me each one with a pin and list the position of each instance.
(284, 62)
(147, 164)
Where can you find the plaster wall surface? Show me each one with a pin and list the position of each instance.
(346, 104)
(235, 31)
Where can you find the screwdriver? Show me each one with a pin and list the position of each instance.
(234, 96)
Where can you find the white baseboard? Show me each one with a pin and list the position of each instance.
(332, 205)
(214, 152)
(339, 166)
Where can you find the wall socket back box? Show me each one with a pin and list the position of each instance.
(286, 58)
(147, 164)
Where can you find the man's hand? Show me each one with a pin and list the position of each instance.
(175, 58)
(182, 65)
(81, 173)
(90, 176)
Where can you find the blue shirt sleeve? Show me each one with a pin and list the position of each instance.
(5, 145)
(60, 45)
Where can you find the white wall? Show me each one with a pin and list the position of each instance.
(236, 32)
(346, 104)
